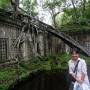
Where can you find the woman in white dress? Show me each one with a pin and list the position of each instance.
(81, 77)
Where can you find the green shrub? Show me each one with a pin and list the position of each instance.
(48, 63)
(4, 3)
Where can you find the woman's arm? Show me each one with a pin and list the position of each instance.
(82, 76)
(83, 72)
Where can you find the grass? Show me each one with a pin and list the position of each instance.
(3, 87)
(6, 76)
(9, 75)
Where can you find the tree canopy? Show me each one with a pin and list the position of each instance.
(30, 6)
(69, 16)
(62, 12)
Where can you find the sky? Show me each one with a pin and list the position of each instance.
(44, 15)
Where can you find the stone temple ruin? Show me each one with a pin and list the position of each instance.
(24, 36)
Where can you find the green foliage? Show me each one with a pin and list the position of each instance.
(4, 3)
(30, 6)
(6, 77)
(6, 74)
(53, 7)
(49, 63)
(87, 11)
(9, 75)
(52, 4)
(3, 87)
(81, 18)
(87, 59)
(63, 19)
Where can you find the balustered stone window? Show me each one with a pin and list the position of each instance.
(3, 49)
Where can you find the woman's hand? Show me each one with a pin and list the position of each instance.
(79, 80)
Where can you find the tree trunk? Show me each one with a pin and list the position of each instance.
(15, 4)
(75, 10)
(41, 43)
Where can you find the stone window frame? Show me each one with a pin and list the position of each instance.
(3, 49)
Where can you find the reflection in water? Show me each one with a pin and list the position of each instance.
(42, 80)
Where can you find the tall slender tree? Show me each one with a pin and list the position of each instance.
(54, 8)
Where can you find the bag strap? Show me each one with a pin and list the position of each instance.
(76, 66)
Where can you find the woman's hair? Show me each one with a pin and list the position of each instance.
(75, 50)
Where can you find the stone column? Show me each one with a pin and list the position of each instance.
(41, 43)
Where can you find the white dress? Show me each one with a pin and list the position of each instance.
(82, 68)
(82, 86)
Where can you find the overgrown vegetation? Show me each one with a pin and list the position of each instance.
(30, 6)
(4, 3)
(77, 15)
(11, 74)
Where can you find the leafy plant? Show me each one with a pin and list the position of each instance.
(4, 3)
(30, 6)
